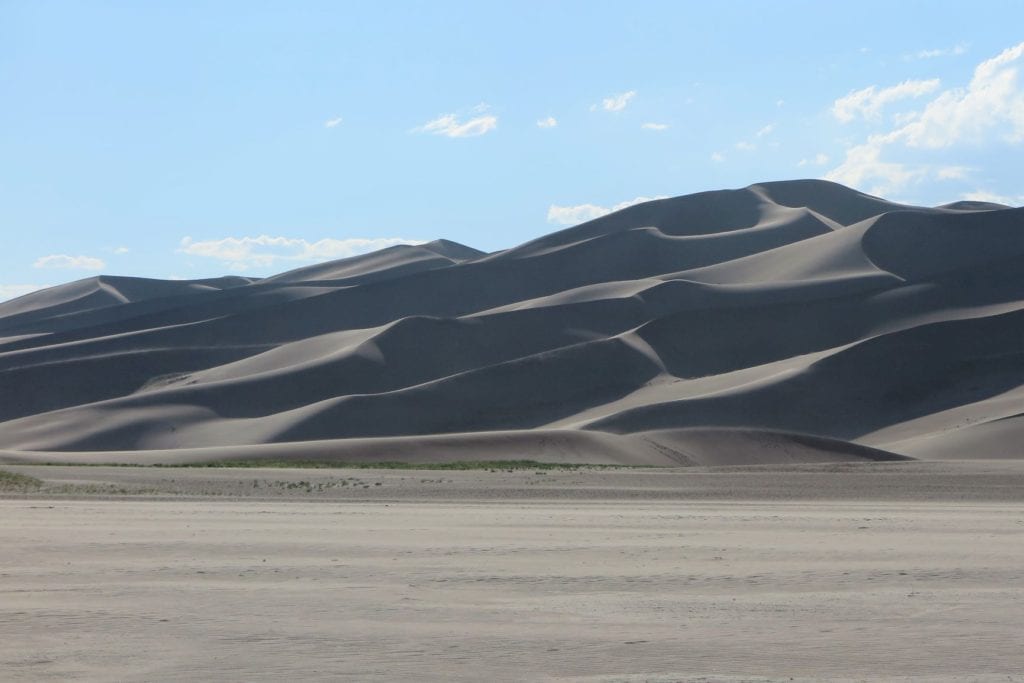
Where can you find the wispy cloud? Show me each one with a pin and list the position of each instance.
(263, 251)
(549, 122)
(121, 250)
(650, 125)
(333, 123)
(989, 110)
(571, 215)
(952, 172)
(451, 125)
(615, 102)
(955, 51)
(819, 159)
(745, 146)
(869, 102)
(717, 157)
(14, 291)
(67, 262)
(766, 130)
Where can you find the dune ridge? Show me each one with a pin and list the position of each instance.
(794, 321)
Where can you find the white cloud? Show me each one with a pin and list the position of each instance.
(952, 172)
(955, 51)
(766, 130)
(990, 109)
(69, 262)
(121, 250)
(745, 146)
(863, 164)
(450, 126)
(868, 102)
(549, 122)
(993, 99)
(14, 291)
(616, 102)
(986, 196)
(654, 126)
(717, 157)
(332, 123)
(263, 251)
(780, 103)
(819, 159)
(571, 215)
(902, 118)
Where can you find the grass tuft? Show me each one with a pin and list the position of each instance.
(395, 465)
(13, 481)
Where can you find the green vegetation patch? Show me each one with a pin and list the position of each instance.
(12, 481)
(456, 465)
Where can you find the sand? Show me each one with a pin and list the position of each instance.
(665, 333)
(817, 393)
(912, 572)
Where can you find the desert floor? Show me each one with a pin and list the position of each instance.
(904, 571)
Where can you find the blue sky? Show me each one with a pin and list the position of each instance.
(191, 140)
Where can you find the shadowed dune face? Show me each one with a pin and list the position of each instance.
(721, 327)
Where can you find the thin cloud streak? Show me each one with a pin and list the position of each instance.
(66, 262)
(263, 251)
(868, 102)
(450, 125)
(580, 213)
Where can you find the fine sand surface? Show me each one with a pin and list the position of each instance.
(862, 572)
(717, 328)
(807, 402)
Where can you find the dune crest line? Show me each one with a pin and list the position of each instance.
(785, 322)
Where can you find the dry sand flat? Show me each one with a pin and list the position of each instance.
(915, 572)
(798, 307)
(128, 590)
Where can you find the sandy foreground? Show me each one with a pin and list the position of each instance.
(908, 571)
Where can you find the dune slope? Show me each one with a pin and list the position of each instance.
(795, 321)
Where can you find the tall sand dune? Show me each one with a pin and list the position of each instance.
(796, 321)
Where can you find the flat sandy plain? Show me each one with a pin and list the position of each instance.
(874, 571)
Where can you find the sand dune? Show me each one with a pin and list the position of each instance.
(666, 448)
(723, 327)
